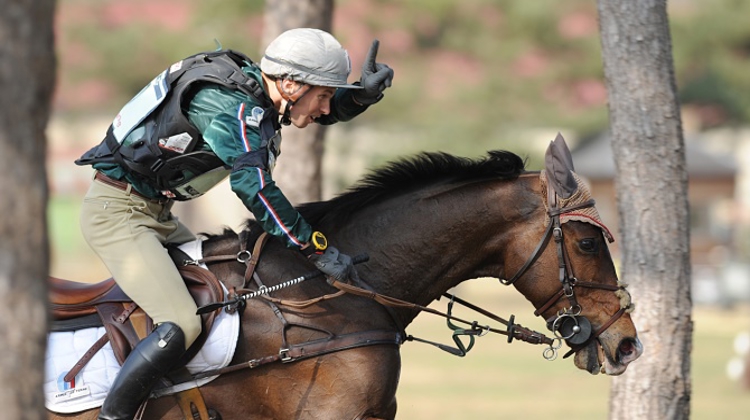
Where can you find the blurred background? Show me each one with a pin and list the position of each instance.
(471, 76)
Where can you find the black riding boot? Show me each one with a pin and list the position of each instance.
(150, 360)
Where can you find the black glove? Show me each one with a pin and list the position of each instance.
(375, 78)
(333, 263)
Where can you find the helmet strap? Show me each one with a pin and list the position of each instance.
(291, 98)
(286, 117)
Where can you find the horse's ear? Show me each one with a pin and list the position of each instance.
(559, 164)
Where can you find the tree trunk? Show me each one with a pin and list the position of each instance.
(27, 75)
(651, 185)
(298, 172)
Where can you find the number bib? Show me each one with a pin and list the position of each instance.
(140, 107)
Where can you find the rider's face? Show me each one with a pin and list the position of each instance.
(312, 105)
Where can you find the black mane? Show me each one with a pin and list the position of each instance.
(409, 174)
(400, 177)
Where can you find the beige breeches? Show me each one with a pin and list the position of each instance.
(128, 233)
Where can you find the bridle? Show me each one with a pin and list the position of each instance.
(568, 324)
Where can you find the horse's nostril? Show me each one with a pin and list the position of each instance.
(627, 348)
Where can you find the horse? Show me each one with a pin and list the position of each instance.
(329, 349)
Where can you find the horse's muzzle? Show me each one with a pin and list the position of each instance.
(595, 357)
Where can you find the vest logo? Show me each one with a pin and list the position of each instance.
(256, 115)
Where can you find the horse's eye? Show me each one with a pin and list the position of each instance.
(588, 245)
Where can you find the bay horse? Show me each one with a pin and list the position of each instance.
(427, 223)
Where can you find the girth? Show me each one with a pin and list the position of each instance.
(315, 348)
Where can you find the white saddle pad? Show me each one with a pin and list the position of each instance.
(90, 386)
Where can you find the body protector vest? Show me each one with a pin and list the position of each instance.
(163, 150)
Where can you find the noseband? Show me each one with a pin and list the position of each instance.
(567, 324)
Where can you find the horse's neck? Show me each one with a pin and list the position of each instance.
(423, 244)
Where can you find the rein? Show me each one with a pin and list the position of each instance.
(513, 330)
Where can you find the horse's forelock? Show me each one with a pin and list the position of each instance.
(409, 174)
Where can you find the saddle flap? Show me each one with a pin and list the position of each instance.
(205, 288)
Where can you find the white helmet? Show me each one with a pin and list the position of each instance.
(309, 56)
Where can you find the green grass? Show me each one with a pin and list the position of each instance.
(497, 380)
(64, 228)
(71, 257)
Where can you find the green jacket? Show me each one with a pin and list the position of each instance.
(225, 119)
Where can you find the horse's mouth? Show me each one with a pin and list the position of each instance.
(590, 358)
(595, 359)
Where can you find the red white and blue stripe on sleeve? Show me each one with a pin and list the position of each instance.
(274, 203)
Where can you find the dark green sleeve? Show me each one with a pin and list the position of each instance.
(232, 135)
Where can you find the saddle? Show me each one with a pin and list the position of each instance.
(77, 305)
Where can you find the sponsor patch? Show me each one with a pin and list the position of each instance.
(177, 143)
(70, 390)
(175, 67)
(256, 115)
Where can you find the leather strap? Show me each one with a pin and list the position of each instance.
(86, 358)
(126, 312)
(598, 332)
(315, 348)
(534, 255)
(514, 330)
(192, 404)
(255, 256)
(120, 185)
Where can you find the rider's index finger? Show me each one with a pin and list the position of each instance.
(371, 54)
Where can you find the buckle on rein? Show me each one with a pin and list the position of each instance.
(522, 333)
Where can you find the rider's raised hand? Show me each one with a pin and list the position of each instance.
(376, 77)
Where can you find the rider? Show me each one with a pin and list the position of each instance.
(161, 148)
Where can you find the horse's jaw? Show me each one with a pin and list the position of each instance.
(596, 358)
